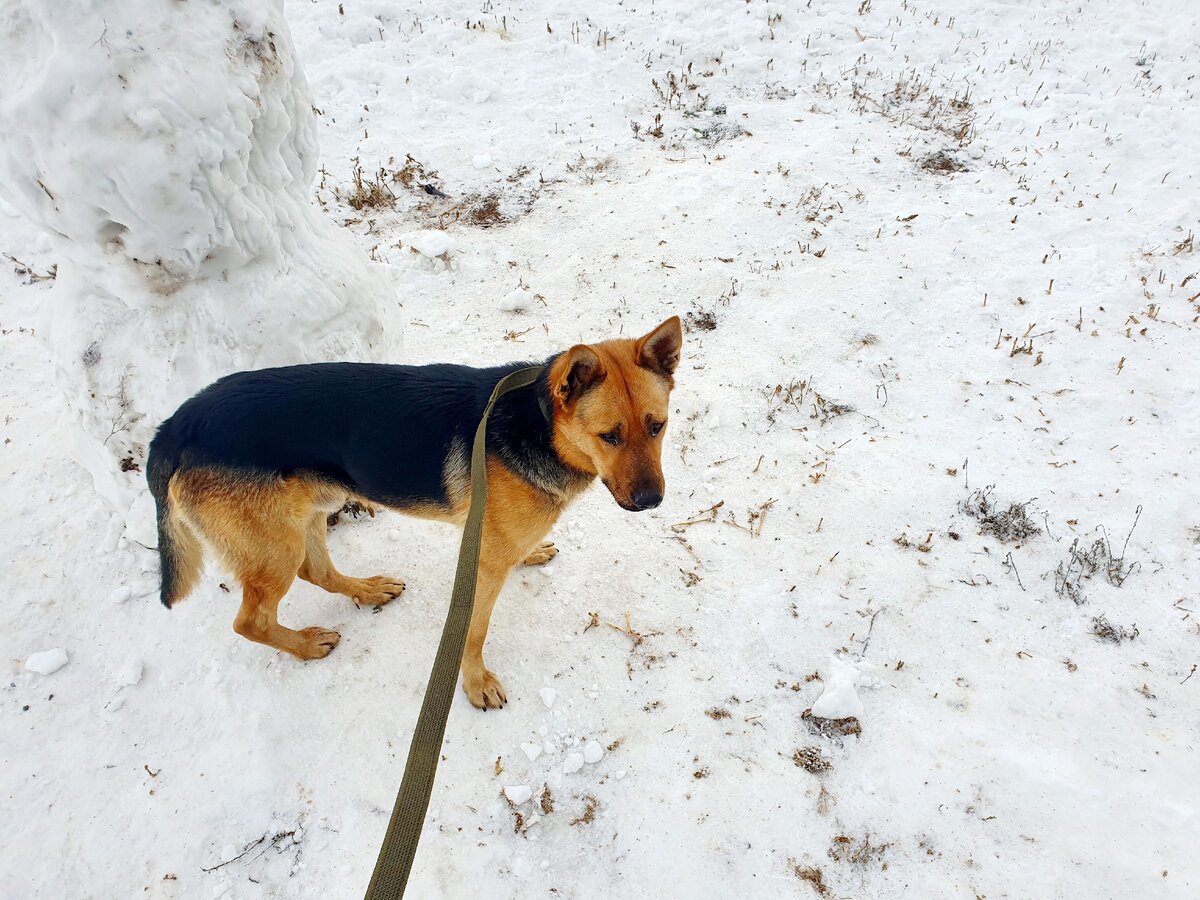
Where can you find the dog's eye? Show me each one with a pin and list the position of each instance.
(612, 437)
(656, 428)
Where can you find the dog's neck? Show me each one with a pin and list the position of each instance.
(523, 437)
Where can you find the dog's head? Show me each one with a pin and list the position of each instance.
(610, 411)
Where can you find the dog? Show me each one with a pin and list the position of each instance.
(251, 467)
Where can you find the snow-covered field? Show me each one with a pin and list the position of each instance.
(932, 463)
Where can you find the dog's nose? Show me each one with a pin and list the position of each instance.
(646, 499)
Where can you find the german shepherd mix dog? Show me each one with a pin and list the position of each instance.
(253, 464)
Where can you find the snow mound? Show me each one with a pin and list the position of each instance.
(840, 697)
(180, 213)
(431, 244)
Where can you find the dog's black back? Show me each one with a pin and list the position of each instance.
(384, 432)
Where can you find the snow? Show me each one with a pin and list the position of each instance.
(518, 300)
(839, 696)
(923, 355)
(46, 662)
(518, 793)
(573, 763)
(531, 751)
(431, 244)
(130, 672)
(179, 213)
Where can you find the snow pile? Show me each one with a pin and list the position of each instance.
(169, 150)
(839, 699)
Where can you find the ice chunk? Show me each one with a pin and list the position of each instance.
(47, 661)
(516, 301)
(518, 793)
(431, 243)
(130, 673)
(593, 752)
(573, 763)
(840, 697)
(548, 694)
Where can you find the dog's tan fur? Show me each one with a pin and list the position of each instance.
(270, 531)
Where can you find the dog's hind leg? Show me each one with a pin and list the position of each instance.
(258, 619)
(318, 569)
(258, 528)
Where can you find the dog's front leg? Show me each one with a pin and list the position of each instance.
(482, 686)
(515, 521)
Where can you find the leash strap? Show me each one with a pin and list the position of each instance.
(408, 815)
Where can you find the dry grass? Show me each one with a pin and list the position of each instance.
(942, 163)
(1008, 524)
(831, 728)
(861, 852)
(1113, 634)
(811, 760)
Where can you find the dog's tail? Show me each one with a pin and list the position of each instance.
(180, 553)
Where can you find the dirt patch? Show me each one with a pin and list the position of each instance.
(546, 800)
(700, 320)
(942, 163)
(717, 713)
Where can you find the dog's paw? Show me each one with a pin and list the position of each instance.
(484, 689)
(318, 642)
(375, 591)
(543, 554)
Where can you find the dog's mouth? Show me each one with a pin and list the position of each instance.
(638, 501)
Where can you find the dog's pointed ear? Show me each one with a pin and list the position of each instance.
(576, 372)
(659, 350)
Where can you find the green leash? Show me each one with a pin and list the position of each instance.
(408, 815)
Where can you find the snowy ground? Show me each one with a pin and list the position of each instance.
(876, 333)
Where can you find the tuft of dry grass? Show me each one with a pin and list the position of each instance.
(1008, 524)
(1113, 634)
(942, 163)
(861, 852)
(831, 728)
(811, 760)
(590, 805)
(369, 192)
(812, 875)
